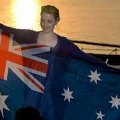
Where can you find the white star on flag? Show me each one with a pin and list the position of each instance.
(67, 94)
(94, 76)
(115, 102)
(100, 115)
(2, 103)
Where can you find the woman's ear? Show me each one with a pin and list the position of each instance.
(57, 20)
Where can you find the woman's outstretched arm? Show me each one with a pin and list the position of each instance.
(20, 35)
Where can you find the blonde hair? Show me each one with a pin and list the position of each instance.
(51, 10)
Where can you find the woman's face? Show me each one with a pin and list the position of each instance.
(47, 22)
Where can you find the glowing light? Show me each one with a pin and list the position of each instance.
(25, 12)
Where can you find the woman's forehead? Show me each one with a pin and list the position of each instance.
(44, 14)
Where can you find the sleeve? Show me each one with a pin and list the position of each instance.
(67, 47)
(19, 35)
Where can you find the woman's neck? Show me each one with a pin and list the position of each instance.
(49, 34)
(49, 39)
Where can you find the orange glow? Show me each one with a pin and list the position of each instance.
(25, 13)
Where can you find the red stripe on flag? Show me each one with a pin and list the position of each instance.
(33, 81)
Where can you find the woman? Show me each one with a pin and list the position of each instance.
(49, 19)
(60, 46)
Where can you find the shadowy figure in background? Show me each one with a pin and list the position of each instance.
(27, 113)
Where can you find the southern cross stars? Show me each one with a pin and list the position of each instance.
(100, 115)
(94, 76)
(115, 102)
(67, 94)
(2, 103)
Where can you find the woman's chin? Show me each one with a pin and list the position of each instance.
(46, 31)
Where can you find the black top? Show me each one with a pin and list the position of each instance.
(20, 35)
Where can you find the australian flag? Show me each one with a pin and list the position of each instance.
(63, 83)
